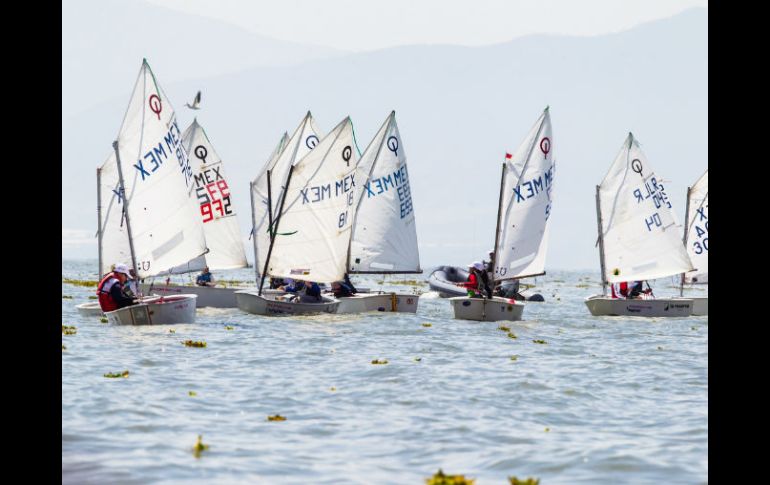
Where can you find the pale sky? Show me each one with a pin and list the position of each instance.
(362, 25)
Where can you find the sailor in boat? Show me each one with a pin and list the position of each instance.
(131, 288)
(276, 283)
(302, 292)
(478, 281)
(110, 290)
(491, 262)
(205, 278)
(341, 289)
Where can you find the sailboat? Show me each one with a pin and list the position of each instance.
(213, 194)
(696, 240)
(523, 211)
(638, 237)
(311, 231)
(384, 235)
(151, 215)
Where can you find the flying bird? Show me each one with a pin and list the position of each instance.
(196, 102)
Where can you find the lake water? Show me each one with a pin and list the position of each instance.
(604, 400)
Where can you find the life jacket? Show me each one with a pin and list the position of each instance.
(622, 291)
(106, 302)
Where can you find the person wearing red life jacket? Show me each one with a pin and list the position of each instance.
(628, 289)
(478, 281)
(110, 289)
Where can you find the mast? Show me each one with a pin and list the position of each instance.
(99, 217)
(253, 232)
(125, 208)
(601, 242)
(274, 232)
(684, 237)
(497, 230)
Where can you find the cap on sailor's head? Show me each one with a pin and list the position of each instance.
(121, 268)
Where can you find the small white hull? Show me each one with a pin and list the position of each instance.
(700, 305)
(601, 305)
(274, 304)
(208, 296)
(379, 302)
(156, 310)
(90, 309)
(486, 310)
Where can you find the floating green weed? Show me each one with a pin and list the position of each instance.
(114, 375)
(514, 357)
(277, 417)
(229, 327)
(171, 330)
(525, 481)
(193, 343)
(192, 393)
(427, 324)
(417, 359)
(199, 447)
(512, 335)
(540, 341)
(66, 297)
(67, 330)
(103, 319)
(441, 479)
(377, 361)
(504, 328)
(87, 283)
(92, 297)
(332, 388)
(63, 347)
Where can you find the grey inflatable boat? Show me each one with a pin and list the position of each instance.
(444, 278)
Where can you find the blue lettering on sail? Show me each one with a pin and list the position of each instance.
(534, 187)
(319, 193)
(157, 155)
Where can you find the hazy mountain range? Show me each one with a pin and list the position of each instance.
(459, 109)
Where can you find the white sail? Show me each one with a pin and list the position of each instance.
(165, 224)
(302, 141)
(114, 236)
(313, 233)
(213, 191)
(525, 205)
(640, 232)
(698, 230)
(384, 232)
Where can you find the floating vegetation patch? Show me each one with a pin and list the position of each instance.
(512, 335)
(524, 481)
(66, 297)
(660, 348)
(277, 417)
(199, 447)
(538, 341)
(66, 330)
(557, 281)
(192, 393)
(693, 328)
(427, 325)
(193, 343)
(504, 328)
(441, 479)
(547, 429)
(103, 319)
(582, 285)
(171, 330)
(378, 361)
(332, 389)
(229, 327)
(417, 359)
(226, 283)
(401, 282)
(114, 375)
(92, 297)
(87, 283)
(514, 357)
(63, 347)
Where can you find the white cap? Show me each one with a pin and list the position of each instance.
(478, 265)
(122, 268)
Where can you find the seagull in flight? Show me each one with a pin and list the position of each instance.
(196, 102)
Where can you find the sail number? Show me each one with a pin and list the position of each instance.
(214, 200)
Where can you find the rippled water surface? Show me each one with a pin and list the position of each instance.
(604, 400)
